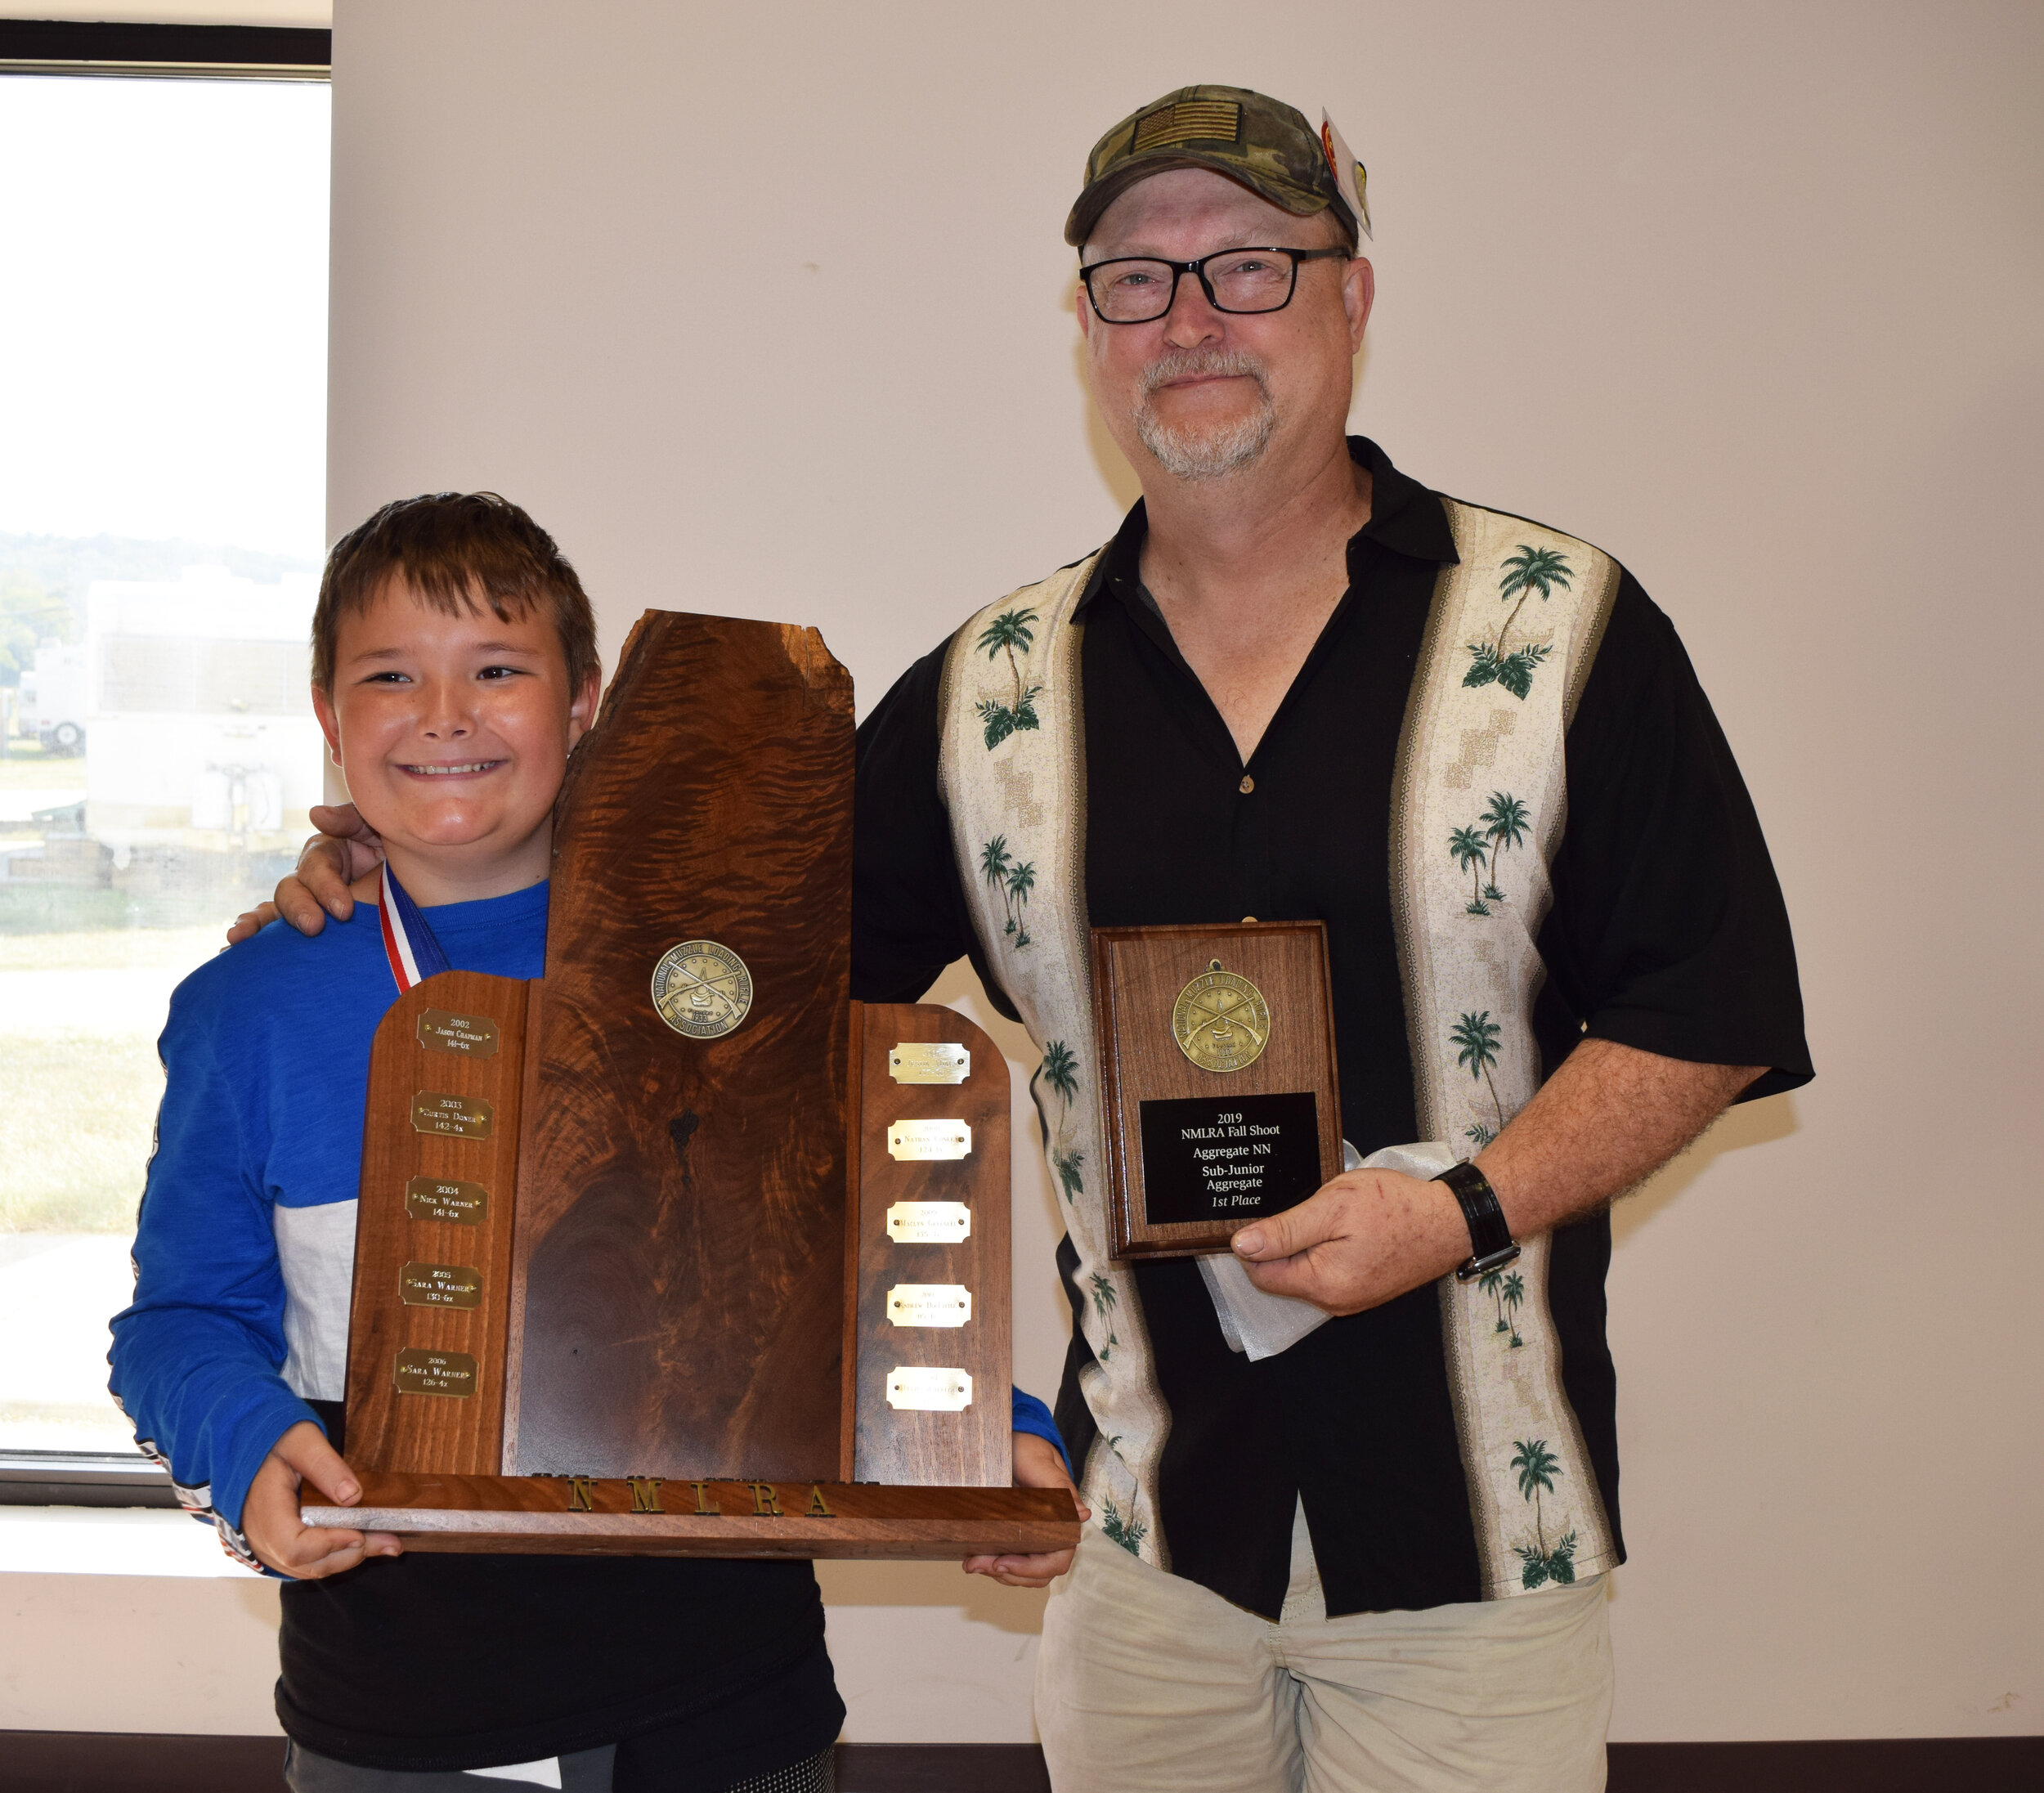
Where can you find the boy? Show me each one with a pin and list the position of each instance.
(453, 670)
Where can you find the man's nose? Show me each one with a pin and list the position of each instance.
(1191, 321)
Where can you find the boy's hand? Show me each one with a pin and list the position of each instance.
(1037, 1464)
(345, 848)
(269, 1517)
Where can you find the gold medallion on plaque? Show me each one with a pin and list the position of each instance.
(1221, 1021)
(702, 989)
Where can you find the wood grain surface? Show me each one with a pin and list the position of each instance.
(716, 1518)
(679, 1265)
(1137, 975)
(972, 1448)
(386, 1429)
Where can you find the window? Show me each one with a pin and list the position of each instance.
(162, 476)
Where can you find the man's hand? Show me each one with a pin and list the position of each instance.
(1358, 1242)
(1608, 1119)
(1036, 1465)
(269, 1517)
(345, 848)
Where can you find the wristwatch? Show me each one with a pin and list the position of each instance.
(1491, 1245)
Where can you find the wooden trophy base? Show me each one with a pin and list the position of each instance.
(575, 1516)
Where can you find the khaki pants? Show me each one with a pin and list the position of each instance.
(1150, 1683)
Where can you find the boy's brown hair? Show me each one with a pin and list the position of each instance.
(453, 548)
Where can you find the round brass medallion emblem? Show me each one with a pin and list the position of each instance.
(1220, 1020)
(702, 989)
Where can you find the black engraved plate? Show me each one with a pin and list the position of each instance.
(1208, 1158)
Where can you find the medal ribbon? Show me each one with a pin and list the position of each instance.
(415, 955)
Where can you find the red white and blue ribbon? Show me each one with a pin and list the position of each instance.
(414, 954)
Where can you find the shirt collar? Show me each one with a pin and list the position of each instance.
(1404, 517)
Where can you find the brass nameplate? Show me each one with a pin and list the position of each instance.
(459, 1204)
(440, 1285)
(475, 1035)
(929, 1390)
(929, 1304)
(916, 1061)
(929, 1223)
(465, 1117)
(929, 1139)
(435, 1373)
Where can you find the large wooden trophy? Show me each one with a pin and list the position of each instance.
(677, 1250)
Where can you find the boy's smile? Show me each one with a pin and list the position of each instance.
(454, 732)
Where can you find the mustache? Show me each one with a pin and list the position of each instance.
(1184, 363)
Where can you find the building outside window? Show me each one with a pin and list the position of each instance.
(161, 473)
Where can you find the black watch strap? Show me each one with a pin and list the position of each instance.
(1491, 1246)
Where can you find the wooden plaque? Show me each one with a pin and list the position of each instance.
(1218, 1078)
(932, 1288)
(624, 1231)
(442, 1198)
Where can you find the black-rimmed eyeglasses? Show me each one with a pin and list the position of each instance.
(1140, 288)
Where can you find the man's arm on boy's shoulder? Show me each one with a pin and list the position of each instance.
(346, 849)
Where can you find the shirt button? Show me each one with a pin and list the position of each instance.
(1247, 786)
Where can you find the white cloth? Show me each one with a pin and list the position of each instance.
(1261, 1325)
(1150, 1683)
(315, 1251)
(545, 1773)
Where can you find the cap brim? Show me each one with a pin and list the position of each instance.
(1088, 210)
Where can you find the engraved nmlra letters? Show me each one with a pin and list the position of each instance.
(646, 1498)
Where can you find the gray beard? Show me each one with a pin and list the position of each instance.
(1216, 451)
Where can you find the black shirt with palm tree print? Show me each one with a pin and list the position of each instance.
(1667, 932)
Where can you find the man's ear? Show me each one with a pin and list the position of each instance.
(1359, 293)
(329, 723)
(1084, 307)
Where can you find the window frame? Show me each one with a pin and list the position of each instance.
(207, 52)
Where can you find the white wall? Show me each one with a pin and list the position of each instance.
(1747, 293)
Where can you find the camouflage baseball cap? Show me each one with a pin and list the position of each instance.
(1261, 143)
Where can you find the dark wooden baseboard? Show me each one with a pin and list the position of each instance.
(106, 1762)
(1903, 1764)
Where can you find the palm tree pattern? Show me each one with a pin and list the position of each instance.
(1537, 1468)
(1511, 1296)
(1492, 1283)
(1104, 1300)
(1013, 880)
(1060, 1071)
(1128, 1531)
(1478, 1037)
(1466, 847)
(1505, 824)
(1009, 630)
(1532, 569)
(1506, 1292)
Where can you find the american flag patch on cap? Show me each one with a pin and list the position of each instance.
(1190, 120)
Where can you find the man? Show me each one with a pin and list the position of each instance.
(1297, 684)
